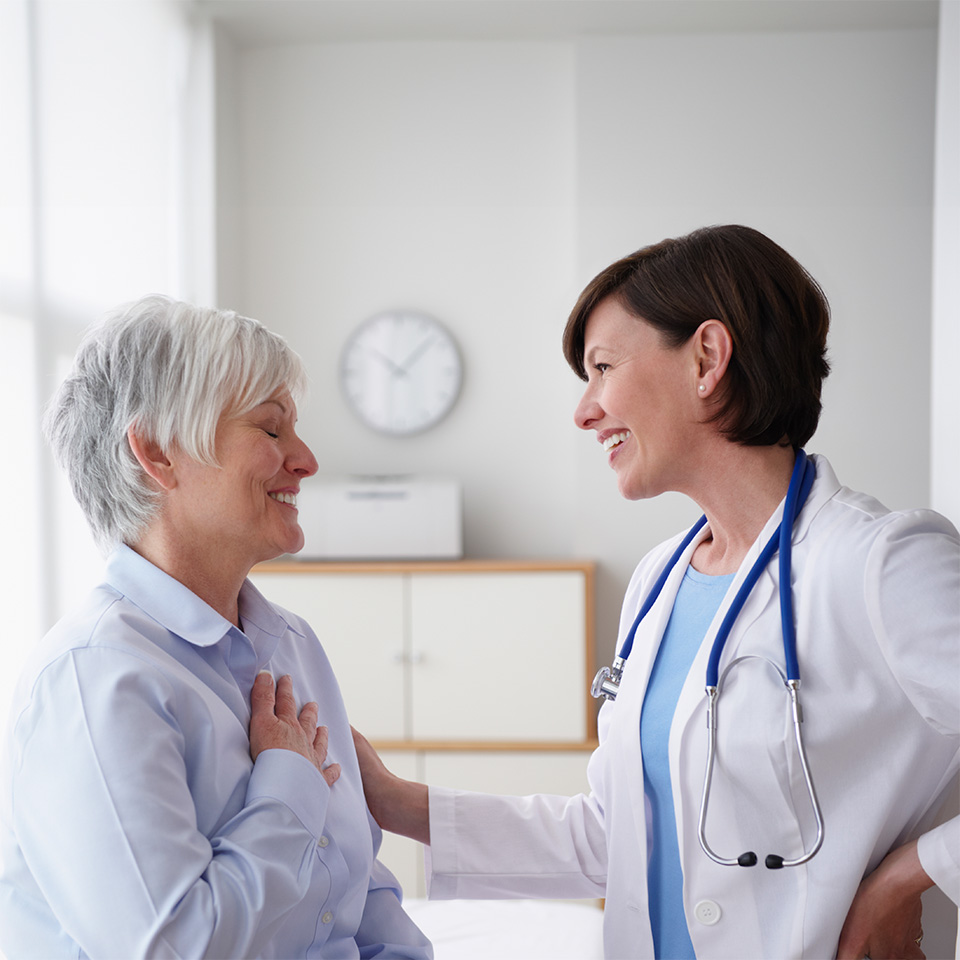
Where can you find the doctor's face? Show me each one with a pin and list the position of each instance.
(640, 399)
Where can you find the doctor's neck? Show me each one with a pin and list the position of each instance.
(738, 491)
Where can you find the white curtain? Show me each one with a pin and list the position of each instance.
(105, 195)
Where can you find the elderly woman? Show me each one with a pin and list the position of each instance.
(163, 796)
(703, 358)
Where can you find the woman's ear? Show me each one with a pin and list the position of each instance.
(713, 349)
(156, 464)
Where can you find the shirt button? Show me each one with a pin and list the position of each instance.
(707, 912)
(323, 841)
(327, 917)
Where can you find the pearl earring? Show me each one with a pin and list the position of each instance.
(702, 387)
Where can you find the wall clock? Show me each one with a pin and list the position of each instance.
(400, 372)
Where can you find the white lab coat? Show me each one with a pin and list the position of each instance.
(877, 607)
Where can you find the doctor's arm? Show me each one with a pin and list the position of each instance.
(486, 846)
(912, 582)
(398, 806)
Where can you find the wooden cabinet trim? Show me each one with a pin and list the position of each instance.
(488, 746)
(423, 566)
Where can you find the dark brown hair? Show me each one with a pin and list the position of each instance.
(776, 314)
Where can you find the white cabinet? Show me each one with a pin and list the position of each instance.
(472, 652)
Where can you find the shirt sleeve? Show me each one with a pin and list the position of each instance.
(939, 851)
(913, 589)
(484, 846)
(385, 931)
(108, 823)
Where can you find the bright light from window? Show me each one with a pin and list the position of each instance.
(18, 559)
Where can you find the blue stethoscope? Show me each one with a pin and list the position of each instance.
(607, 682)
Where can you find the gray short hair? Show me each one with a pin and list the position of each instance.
(172, 370)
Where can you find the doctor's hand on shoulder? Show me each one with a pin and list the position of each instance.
(884, 918)
(276, 725)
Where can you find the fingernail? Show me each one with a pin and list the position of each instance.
(265, 673)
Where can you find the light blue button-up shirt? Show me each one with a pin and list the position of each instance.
(133, 822)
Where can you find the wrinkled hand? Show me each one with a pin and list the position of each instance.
(884, 918)
(400, 806)
(275, 725)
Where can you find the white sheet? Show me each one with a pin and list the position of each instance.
(510, 929)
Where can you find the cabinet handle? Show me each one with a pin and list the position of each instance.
(412, 658)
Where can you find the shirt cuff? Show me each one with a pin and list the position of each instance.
(440, 856)
(939, 852)
(288, 778)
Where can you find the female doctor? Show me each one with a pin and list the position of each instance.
(703, 358)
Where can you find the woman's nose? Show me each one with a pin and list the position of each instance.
(588, 411)
(301, 460)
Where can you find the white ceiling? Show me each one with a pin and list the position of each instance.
(257, 22)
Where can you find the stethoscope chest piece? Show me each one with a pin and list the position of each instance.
(606, 684)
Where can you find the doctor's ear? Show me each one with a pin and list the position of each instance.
(156, 464)
(713, 348)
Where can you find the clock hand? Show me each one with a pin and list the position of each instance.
(419, 352)
(395, 368)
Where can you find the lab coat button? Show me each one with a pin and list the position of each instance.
(707, 912)
(323, 841)
(327, 917)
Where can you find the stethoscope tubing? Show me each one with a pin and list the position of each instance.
(606, 683)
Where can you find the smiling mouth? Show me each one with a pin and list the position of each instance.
(615, 439)
(288, 498)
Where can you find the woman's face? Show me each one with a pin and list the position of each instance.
(247, 507)
(640, 399)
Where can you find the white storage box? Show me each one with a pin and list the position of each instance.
(380, 518)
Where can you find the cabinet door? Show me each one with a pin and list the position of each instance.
(516, 773)
(359, 620)
(498, 656)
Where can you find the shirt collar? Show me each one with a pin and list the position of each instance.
(258, 614)
(179, 610)
(164, 599)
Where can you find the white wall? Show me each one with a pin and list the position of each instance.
(437, 177)
(487, 182)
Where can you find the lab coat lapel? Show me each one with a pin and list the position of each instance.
(634, 684)
(692, 701)
(691, 705)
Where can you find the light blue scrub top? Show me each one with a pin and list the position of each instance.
(697, 602)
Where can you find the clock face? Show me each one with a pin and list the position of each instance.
(400, 372)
